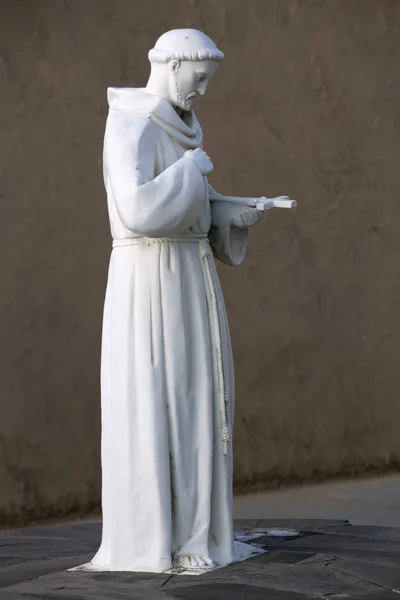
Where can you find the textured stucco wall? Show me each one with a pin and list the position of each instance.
(306, 103)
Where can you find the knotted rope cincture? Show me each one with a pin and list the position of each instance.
(147, 241)
(223, 392)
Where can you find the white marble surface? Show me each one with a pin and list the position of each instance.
(167, 369)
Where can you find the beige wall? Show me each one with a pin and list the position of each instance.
(306, 103)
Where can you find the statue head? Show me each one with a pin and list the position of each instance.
(182, 63)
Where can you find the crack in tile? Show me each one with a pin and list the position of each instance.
(358, 578)
(166, 581)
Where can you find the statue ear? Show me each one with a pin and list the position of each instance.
(174, 65)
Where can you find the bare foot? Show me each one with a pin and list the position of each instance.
(191, 561)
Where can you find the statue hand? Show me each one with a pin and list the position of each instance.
(201, 159)
(246, 216)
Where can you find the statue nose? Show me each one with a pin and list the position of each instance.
(201, 90)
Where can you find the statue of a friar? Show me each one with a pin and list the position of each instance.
(167, 383)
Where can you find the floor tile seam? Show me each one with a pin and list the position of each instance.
(352, 576)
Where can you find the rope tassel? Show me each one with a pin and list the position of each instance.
(223, 393)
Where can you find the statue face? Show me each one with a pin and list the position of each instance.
(189, 79)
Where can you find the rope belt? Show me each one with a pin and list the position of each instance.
(205, 251)
(182, 237)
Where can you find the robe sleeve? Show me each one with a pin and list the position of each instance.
(147, 205)
(228, 242)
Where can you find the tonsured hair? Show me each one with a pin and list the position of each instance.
(162, 56)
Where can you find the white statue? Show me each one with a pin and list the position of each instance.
(167, 371)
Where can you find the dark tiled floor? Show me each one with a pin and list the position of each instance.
(331, 559)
